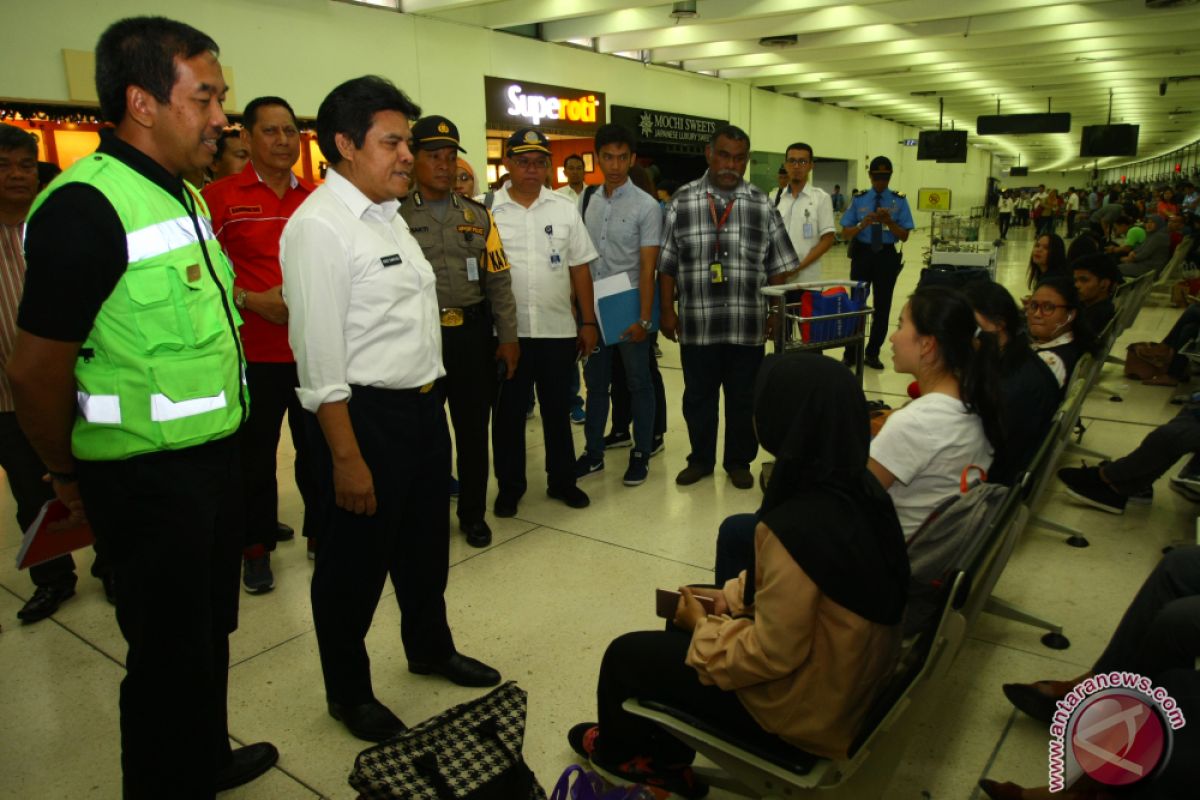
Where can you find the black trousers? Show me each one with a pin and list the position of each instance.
(1161, 448)
(707, 370)
(406, 445)
(1004, 220)
(622, 410)
(1161, 628)
(881, 269)
(650, 665)
(25, 470)
(170, 525)
(548, 365)
(272, 394)
(469, 354)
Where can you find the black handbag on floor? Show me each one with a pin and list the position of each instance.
(469, 752)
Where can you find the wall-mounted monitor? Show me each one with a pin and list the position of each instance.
(943, 146)
(1108, 140)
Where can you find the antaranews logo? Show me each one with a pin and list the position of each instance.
(1116, 727)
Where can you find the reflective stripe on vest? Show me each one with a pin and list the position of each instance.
(164, 237)
(163, 409)
(102, 409)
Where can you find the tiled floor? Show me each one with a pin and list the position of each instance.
(543, 601)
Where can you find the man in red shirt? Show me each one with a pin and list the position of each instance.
(249, 210)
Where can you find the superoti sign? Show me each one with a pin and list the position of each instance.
(523, 103)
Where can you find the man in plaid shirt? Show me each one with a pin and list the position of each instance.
(722, 241)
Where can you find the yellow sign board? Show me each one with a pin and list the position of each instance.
(933, 200)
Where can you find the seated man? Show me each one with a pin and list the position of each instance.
(1157, 638)
(1110, 485)
(1129, 233)
(1097, 278)
(1152, 254)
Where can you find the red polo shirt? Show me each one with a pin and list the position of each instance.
(248, 218)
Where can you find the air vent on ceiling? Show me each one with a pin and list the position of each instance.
(784, 40)
(684, 10)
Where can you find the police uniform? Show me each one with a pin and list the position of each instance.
(875, 257)
(474, 290)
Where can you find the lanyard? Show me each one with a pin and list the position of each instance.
(712, 209)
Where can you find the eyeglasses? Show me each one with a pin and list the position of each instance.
(531, 163)
(798, 162)
(1046, 307)
(462, 177)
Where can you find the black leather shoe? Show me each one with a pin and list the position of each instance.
(1027, 698)
(248, 763)
(478, 533)
(460, 669)
(571, 495)
(284, 533)
(741, 477)
(505, 506)
(873, 362)
(45, 601)
(371, 722)
(109, 581)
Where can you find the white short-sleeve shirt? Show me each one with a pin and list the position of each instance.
(926, 445)
(543, 242)
(807, 217)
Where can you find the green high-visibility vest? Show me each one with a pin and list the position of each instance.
(162, 368)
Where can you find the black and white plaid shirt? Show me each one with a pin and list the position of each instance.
(754, 245)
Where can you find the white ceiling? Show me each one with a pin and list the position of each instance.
(875, 55)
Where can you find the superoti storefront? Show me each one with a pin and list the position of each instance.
(568, 116)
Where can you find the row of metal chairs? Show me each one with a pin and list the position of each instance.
(915, 689)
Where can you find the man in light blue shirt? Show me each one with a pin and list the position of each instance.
(625, 224)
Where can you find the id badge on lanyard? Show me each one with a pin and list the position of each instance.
(556, 261)
(716, 270)
(808, 226)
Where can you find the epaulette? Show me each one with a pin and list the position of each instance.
(899, 194)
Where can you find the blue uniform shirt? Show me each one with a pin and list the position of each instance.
(864, 204)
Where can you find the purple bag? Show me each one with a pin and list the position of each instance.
(590, 786)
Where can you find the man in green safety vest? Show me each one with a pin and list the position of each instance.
(128, 378)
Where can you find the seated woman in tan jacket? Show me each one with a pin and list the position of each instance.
(798, 652)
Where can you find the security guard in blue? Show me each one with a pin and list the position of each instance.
(875, 221)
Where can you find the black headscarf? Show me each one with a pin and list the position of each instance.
(830, 513)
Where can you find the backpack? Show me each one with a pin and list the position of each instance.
(946, 536)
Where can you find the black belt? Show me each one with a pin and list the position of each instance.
(454, 316)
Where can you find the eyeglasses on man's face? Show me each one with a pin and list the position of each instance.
(798, 162)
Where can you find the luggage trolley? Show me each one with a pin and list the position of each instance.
(798, 327)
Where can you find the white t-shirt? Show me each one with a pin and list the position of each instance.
(927, 445)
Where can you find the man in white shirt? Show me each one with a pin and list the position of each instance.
(364, 326)
(549, 251)
(1072, 209)
(574, 169)
(807, 213)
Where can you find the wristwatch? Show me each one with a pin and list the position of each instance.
(239, 298)
(645, 323)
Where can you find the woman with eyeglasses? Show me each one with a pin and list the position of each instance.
(1049, 257)
(464, 179)
(1059, 330)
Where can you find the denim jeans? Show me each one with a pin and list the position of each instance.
(635, 356)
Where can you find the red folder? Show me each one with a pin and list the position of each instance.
(45, 540)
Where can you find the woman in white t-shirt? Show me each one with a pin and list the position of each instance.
(920, 454)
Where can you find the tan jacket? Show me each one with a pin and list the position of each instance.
(803, 666)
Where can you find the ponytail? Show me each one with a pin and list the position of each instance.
(970, 354)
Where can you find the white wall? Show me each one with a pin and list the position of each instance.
(300, 49)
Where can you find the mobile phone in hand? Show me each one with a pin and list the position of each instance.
(667, 600)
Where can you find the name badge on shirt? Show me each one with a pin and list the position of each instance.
(472, 269)
(392, 260)
(808, 230)
(555, 259)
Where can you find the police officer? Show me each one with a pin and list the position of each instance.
(474, 289)
(874, 222)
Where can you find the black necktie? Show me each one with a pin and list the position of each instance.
(877, 228)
